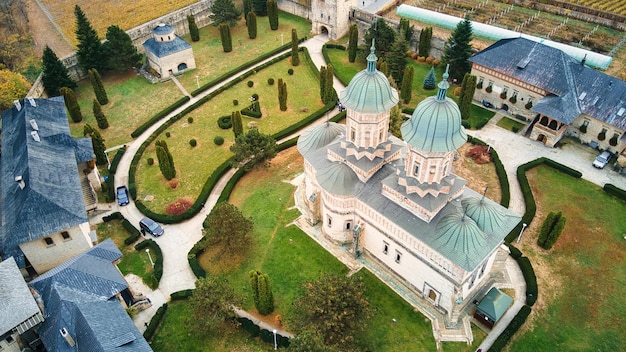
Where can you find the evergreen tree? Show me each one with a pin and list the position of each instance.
(97, 142)
(381, 65)
(71, 104)
(282, 95)
(272, 14)
(406, 29)
(259, 7)
(407, 84)
(353, 42)
(247, 8)
(323, 84)
(254, 285)
(224, 12)
(330, 94)
(396, 59)
(89, 53)
(194, 32)
(227, 226)
(458, 50)
(55, 74)
(102, 121)
(251, 24)
(237, 123)
(253, 148)
(166, 162)
(227, 42)
(430, 82)
(98, 87)
(468, 86)
(385, 37)
(426, 35)
(266, 297)
(295, 58)
(119, 50)
(395, 121)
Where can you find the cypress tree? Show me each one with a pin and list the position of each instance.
(247, 8)
(266, 297)
(407, 84)
(282, 94)
(468, 86)
(237, 123)
(406, 29)
(383, 67)
(323, 84)
(166, 162)
(100, 118)
(97, 142)
(353, 42)
(193, 28)
(227, 42)
(89, 53)
(426, 35)
(251, 24)
(557, 229)
(395, 121)
(55, 74)
(71, 104)
(430, 82)
(272, 14)
(119, 50)
(295, 58)
(98, 87)
(254, 285)
(331, 93)
(259, 7)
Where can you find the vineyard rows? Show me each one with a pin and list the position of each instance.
(613, 6)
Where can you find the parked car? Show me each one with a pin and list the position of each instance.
(147, 225)
(122, 195)
(602, 160)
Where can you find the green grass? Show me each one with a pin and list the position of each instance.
(510, 124)
(204, 128)
(133, 261)
(584, 302)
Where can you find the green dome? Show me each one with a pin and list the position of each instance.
(369, 91)
(435, 125)
(486, 214)
(319, 136)
(338, 178)
(459, 237)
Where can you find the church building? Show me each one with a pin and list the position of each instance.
(396, 203)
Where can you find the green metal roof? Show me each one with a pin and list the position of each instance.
(486, 215)
(319, 136)
(338, 178)
(457, 236)
(495, 304)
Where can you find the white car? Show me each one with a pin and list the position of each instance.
(602, 160)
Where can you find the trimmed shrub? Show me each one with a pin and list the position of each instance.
(180, 295)
(158, 256)
(168, 134)
(250, 84)
(515, 253)
(270, 81)
(253, 110)
(530, 278)
(190, 119)
(155, 322)
(615, 191)
(113, 216)
(290, 71)
(249, 326)
(116, 159)
(235, 102)
(150, 161)
(225, 122)
(218, 140)
(132, 230)
(506, 335)
(193, 143)
(255, 96)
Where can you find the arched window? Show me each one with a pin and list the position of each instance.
(544, 121)
(553, 125)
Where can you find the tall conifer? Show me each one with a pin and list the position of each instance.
(71, 104)
(98, 87)
(101, 119)
(55, 74)
(89, 54)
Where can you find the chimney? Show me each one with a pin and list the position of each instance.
(31, 101)
(68, 338)
(20, 182)
(17, 105)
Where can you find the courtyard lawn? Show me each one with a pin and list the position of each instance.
(195, 165)
(133, 261)
(212, 61)
(510, 124)
(277, 250)
(581, 305)
(345, 70)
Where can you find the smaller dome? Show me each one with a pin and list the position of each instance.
(486, 215)
(459, 233)
(163, 29)
(339, 179)
(319, 136)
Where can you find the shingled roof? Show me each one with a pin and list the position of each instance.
(572, 87)
(162, 49)
(80, 297)
(18, 305)
(38, 148)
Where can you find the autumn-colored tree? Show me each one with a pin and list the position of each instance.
(13, 86)
(101, 119)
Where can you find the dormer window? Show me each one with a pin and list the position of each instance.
(48, 241)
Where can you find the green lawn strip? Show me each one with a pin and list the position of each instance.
(510, 124)
(302, 101)
(212, 61)
(132, 101)
(589, 311)
(133, 261)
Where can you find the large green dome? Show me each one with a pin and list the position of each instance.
(319, 136)
(435, 125)
(369, 91)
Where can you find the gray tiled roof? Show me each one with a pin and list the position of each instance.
(80, 296)
(162, 49)
(18, 303)
(580, 88)
(52, 199)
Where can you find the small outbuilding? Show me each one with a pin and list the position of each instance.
(167, 53)
(493, 307)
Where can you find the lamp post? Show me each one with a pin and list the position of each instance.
(275, 344)
(197, 81)
(150, 257)
(521, 232)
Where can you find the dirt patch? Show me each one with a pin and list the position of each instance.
(44, 33)
(479, 176)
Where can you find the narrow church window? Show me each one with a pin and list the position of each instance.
(352, 134)
(380, 136)
(330, 221)
(398, 257)
(385, 247)
(482, 270)
(49, 241)
(348, 225)
(432, 295)
(472, 281)
(416, 169)
(321, 15)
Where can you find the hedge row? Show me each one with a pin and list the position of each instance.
(155, 322)
(615, 191)
(325, 48)
(266, 335)
(530, 278)
(505, 198)
(256, 112)
(110, 187)
(515, 253)
(510, 330)
(113, 216)
(132, 230)
(116, 160)
(192, 258)
(314, 69)
(160, 115)
(158, 256)
(180, 295)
